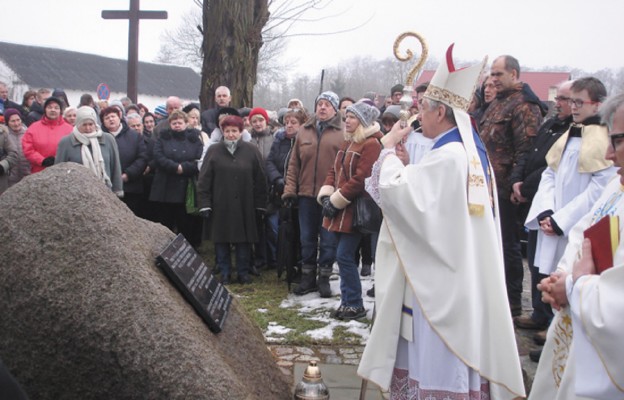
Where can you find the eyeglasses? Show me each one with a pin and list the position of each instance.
(562, 98)
(615, 139)
(579, 102)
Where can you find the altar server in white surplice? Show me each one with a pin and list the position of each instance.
(576, 175)
(443, 328)
(583, 357)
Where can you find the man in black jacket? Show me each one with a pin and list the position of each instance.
(223, 98)
(5, 103)
(525, 181)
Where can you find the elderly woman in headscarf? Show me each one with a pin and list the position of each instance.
(88, 145)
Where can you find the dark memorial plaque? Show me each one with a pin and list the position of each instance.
(190, 275)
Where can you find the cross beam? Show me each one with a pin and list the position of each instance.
(133, 16)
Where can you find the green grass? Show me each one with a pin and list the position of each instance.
(267, 293)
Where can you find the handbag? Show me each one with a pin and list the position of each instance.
(367, 215)
(191, 198)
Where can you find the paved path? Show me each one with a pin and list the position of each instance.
(338, 365)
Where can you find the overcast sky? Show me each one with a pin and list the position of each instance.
(578, 33)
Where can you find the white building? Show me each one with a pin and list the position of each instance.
(25, 67)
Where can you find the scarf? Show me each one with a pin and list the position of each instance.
(92, 159)
(230, 145)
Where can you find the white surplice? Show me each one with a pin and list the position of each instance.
(417, 145)
(451, 261)
(570, 194)
(584, 350)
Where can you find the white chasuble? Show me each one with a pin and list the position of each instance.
(452, 262)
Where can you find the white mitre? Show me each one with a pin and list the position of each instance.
(455, 88)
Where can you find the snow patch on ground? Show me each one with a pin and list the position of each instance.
(318, 309)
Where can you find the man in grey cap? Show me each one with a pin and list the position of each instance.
(312, 155)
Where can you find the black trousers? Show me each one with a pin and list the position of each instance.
(512, 252)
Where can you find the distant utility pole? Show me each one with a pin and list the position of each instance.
(133, 16)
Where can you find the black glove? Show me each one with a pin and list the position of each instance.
(48, 161)
(260, 214)
(205, 213)
(1, 170)
(290, 202)
(329, 210)
(279, 186)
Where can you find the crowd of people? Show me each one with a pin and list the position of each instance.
(458, 182)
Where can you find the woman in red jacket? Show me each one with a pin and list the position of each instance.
(42, 137)
(345, 183)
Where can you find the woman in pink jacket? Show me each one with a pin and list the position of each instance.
(42, 137)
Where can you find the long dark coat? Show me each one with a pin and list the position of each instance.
(133, 158)
(234, 187)
(170, 150)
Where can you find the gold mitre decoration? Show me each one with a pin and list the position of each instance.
(454, 87)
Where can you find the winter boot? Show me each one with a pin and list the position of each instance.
(366, 270)
(325, 272)
(308, 280)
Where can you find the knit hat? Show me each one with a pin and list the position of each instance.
(9, 112)
(280, 114)
(365, 113)
(259, 111)
(367, 101)
(53, 99)
(396, 88)
(329, 96)
(394, 110)
(160, 111)
(244, 111)
(119, 104)
(85, 113)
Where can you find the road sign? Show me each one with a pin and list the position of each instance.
(103, 93)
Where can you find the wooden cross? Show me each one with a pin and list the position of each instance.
(133, 16)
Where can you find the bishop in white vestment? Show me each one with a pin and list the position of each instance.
(443, 327)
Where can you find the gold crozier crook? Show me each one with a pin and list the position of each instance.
(406, 101)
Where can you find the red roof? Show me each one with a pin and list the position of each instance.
(540, 82)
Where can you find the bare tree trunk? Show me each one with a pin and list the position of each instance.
(232, 41)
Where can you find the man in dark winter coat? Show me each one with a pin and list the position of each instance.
(36, 108)
(525, 180)
(223, 98)
(5, 103)
(506, 129)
